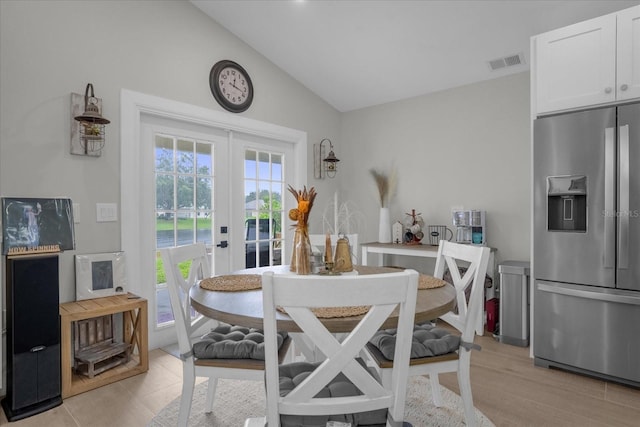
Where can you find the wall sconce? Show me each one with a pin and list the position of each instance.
(87, 129)
(324, 166)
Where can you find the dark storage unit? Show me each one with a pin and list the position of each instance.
(33, 336)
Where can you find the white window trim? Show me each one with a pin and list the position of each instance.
(132, 106)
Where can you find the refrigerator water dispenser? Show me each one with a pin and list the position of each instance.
(567, 203)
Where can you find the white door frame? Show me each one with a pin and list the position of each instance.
(140, 270)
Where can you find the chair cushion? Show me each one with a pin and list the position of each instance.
(233, 342)
(292, 374)
(428, 341)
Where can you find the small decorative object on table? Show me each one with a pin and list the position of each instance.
(301, 254)
(386, 186)
(342, 261)
(413, 223)
(396, 232)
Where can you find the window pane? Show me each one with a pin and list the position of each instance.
(204, 224)
(264, 171)
(203, 193)
(185, 193)
(276, 167)
(164, 192)
(250, 195)
(165, 230)
(263, 197)
(184, 156)
(250, 164)
(186, 228)
(276, 196)
(164, 153)
(204, 159)
(165, 314)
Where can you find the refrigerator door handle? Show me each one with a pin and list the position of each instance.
(623, 214)
(600, 296)
(609, 199)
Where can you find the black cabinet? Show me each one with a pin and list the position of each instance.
(33, 336)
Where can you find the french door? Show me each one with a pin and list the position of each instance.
(196, 175)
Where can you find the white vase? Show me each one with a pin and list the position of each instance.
(384, 228)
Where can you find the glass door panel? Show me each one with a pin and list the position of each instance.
(263, 186)
(184, 209)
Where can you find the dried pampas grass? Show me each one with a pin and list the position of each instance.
(385, 184)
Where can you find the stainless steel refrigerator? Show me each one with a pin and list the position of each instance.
(586, 242)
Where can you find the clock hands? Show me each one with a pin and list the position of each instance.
(233, 84)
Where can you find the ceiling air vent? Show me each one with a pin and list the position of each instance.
(507, 61)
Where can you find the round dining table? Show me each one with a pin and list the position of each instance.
(244, 308)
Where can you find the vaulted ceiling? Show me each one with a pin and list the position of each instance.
(356, 54)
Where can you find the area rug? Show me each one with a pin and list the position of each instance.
(237, 400)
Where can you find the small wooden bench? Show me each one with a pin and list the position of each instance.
(95, 349)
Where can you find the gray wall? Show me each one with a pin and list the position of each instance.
(162, 48)
(466, 146)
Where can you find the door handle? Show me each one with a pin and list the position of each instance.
(623, 214)
(223, 244)
(609, 199)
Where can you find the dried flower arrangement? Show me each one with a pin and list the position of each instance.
(301, 251)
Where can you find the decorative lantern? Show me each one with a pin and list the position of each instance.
(89, 129)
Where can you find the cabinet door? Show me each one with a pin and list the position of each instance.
(628, 84)
(576, 65)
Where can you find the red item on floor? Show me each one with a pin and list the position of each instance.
(492, 308)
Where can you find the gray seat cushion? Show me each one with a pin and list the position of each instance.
(428, 341)
(292, 374)
(233, 342)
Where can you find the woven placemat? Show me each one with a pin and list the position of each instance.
(232, 282)
(424, 281)
(334, 312)
(430, 282)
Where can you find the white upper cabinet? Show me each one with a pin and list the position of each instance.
(589, 63)
(629, 54)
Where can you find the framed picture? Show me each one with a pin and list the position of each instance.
(32, 225)
(100, 275)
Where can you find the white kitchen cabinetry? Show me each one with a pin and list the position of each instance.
(628, 53)
(589, 63)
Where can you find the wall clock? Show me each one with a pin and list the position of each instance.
(231, 86)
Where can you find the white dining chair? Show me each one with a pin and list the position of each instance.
(340, 388)
(455, 351)
(198, 353)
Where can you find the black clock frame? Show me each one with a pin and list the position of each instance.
(219, 96)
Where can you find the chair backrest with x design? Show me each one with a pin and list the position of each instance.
(449, 256)
(178, 286)
(299, 297)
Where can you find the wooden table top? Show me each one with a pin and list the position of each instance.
(245, 307)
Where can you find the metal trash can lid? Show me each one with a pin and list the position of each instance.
(514, 267)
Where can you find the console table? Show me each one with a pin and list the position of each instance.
(424, 251)
(135, 333)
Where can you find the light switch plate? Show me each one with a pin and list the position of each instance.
(106, 212)
(76, 213)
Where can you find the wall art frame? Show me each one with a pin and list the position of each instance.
(100, 275)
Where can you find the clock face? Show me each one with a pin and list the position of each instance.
(231, 86)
